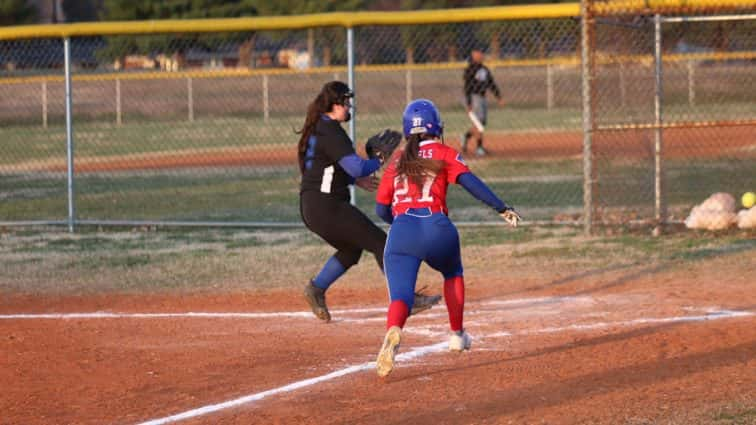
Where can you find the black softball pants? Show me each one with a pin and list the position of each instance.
(343, 226)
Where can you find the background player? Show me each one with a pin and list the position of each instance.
(412, 198)
(478, 80)
(329, 164)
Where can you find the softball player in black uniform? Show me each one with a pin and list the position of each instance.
(329, 164)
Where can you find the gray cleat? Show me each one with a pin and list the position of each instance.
(424, 302)
(316, 298)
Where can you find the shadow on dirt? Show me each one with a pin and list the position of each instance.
(557, 392)
(586, 342)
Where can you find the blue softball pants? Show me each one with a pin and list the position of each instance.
(414, 237)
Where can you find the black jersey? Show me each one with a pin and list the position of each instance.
(478, 79)
(326, 146)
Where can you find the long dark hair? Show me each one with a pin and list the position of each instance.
(412, 165)
(334, 92)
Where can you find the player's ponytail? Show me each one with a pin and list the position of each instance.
(316, 108)
(332, 93)
(412, 165)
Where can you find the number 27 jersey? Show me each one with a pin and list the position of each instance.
(402, 193)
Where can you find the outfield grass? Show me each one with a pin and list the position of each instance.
(23, 143)
(540, 189)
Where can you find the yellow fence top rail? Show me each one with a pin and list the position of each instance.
(355, 19)
(612, 7)
(293, 22)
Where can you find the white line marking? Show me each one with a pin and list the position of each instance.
(105, 315)
(714, 315)
(419, 352)
(517, 301)
(422, 351)
(265, 315)
(259, 396)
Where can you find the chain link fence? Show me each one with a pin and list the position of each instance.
(199, 128)
(673, 115)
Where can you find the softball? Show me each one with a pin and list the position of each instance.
(748, 199)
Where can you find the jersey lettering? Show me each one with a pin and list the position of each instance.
(401, 189)
(402, 193)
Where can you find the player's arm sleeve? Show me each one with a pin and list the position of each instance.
(468, 86)
(481, 191)
(492, 85)
(356, 166)
(384, 212)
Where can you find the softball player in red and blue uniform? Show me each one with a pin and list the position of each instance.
(412, 198)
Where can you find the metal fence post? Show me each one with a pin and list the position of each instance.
(660, 202)
(190, 98)
(266, 98)
(586, 34)
(408, 85)
(119, 118)
(622, 84)
(69, 133)
(44, 103)
(691, 83)
(549, 87)
(352, 122)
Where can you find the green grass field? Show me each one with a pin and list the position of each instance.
(540, 189)
(23, 143)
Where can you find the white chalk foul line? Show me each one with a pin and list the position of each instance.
(419, 352)
(261, 315)
(106, 315)
(429, 349)
(713, 315)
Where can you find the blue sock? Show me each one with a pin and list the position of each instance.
(330, 272)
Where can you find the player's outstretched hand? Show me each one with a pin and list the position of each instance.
(510, 216)
(369, 183)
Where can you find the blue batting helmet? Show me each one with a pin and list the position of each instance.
(422, 117)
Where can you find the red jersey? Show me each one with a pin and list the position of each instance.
(402, 194)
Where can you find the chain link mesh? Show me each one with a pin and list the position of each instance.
(532, 140)
(201, 127)
(707, 118)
